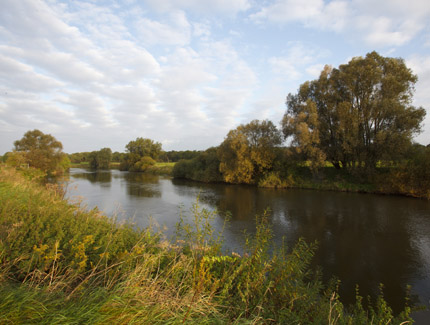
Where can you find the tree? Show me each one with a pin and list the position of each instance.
(100, 159)
(248, 151)
(138, 149)
(41, 151)
(305, 128)
(363, 111)
(144, 147)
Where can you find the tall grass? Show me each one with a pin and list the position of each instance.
(63, 264)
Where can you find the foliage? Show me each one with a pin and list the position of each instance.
(62, 264)
(273, 180)
(144, 147)
(100, 159)
(143, 164)
(138, 149)
(79, 157)
(41, 151)
(305, 128)
(4, 157)
(248, 151)
(355, 115)
(412, 176)
(203, 168)
(118, 156)
(175, 156)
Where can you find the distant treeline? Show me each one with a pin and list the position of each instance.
(118, 157)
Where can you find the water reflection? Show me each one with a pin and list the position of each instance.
(100, 176)
(142, 185)
(362, 239)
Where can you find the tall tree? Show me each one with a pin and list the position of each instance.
(42, 151)
(248, 151)
(363, 111)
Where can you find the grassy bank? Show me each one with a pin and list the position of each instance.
(328, 179)
(60, 263)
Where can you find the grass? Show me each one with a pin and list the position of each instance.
(62, 263)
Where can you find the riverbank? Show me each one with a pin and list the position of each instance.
(62, 263)
(160, 168)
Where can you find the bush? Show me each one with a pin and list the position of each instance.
(273, 180)
(143, 164)
(412, 177)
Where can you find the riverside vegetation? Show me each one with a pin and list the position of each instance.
(61, 263)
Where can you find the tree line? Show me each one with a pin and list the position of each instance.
(357, 118)
(44, 152)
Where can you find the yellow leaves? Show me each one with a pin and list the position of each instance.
(248, 151)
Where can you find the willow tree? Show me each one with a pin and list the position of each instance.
(248, 151)
(363, 111)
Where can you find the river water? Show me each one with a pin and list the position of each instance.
(362, 239)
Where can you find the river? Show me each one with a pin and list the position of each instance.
(362, 239)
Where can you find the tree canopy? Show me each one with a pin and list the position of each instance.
(100, 159)
(248, 151)
(138, 152)
(355, 115)
(41, 151)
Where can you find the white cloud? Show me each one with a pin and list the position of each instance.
(174, 31)
(313, 13)
(210, 7)
(377, 22)
(383, 31)
(298, 57)
(421, 66)
(315, 70)
(17, 75)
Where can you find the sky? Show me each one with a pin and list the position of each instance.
(98, 74)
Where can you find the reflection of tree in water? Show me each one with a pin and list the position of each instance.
(95, 177)
(145, 178)
(235, 199)
(142, 190)
(365, 242)
(362, 239)
(142, 185)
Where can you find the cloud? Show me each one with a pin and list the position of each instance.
(376, 22)
(383, 31)
(420, 65)
(208, 7)
(298, 57)
(181, 72)
(17, 75)
(176, 30)
(203, 93)
(312, 13)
